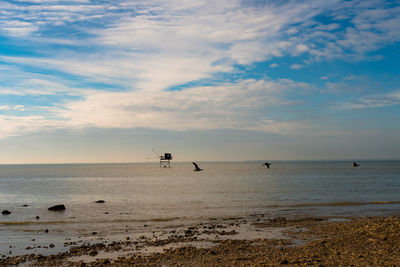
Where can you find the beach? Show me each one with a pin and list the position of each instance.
(252, 241)
(231, 213)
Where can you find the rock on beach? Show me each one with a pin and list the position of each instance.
(57, 208)
(6, 212)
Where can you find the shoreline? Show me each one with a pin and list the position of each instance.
(252, 240)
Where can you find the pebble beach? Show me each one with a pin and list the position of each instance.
(252, 241)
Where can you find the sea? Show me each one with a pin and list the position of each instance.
(140, 196)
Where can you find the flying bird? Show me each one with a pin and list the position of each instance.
(355, 164)
(267, 164)
(196, 167)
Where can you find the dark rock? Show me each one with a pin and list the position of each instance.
(6, 212)
(188, 232)
(37, 217)
(57, 208)
(51, 245)
(46, 231)
(93, 253)
(25, 205)
(94, 233)
(106, 261)
(100, 201)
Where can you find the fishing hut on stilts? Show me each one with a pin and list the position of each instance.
(165, 161)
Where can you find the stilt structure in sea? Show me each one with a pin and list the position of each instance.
(165, 161)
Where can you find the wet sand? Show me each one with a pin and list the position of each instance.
(255, 240)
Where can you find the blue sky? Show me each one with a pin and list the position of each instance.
(107, 81)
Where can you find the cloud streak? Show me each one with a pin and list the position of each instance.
(157, 44)
(373, 101)
(244, 105)
(230, 106)
(153, 45)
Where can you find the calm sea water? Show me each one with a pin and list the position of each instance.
(138, 194)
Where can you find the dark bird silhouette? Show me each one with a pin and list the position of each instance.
(196, 167)
(355, 164)
(267, 164)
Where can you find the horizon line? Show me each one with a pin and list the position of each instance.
(205, 161)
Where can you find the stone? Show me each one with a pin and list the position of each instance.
(100, 201)
(93, 253)
(6, 212)
(57, 208)
(106, 261)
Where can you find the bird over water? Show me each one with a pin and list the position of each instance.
(267, 164)
(196, 167)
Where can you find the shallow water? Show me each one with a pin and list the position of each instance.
(139, 194)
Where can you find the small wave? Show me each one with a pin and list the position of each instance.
(34, 223)
(167, 219)
(164, 219)
(344, 203)
(90, 221)
(327, 204)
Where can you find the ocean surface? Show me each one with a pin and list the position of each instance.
(141, 195)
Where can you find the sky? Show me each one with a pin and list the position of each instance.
(85, 81)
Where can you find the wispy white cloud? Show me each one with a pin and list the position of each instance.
(296, 66)
(373, 26)
(18, 28)
(21, 83)
(158, 44)
(373, 101)
(15, 107)
(301, 48)
(233, 106)
(243, 105)
(353, 84)
(22, 125)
